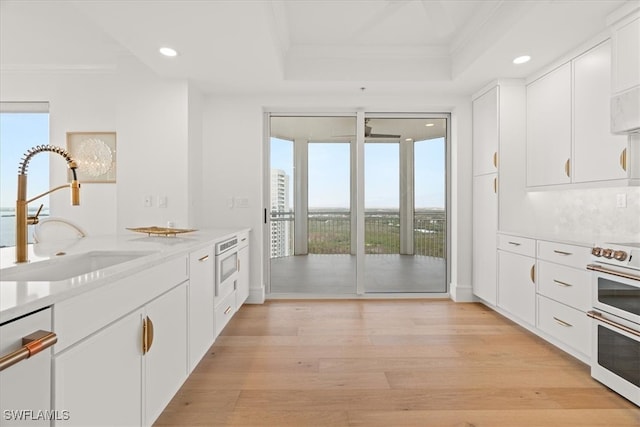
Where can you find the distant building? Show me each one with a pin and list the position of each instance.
(281, 215)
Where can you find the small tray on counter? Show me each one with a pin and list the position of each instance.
(161, 231)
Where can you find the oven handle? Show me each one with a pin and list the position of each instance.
(594, 267)
(600, 318)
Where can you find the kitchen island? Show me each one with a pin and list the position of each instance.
(133, 315)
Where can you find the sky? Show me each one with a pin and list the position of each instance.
(329, 173)
(18, 133)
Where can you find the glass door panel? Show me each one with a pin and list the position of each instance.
(319, 260)
(404, 205)
(429, 223)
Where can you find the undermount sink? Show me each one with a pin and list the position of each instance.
(68, 266)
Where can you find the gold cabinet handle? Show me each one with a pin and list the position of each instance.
(32, 344)
(514, 243)
(147, 335)
(238, 265)
(532, 273)
(562, 252)
(562, 322)
(623, 160)
(565, 284)
(567, 168)
(495, 159)
(204, 258)
(495, 185)
(228, 310)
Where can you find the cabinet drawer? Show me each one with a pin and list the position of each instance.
(224, 311)
(568, 325)
(80, 316)
(567, 285)
(517, 245)
(560, 253)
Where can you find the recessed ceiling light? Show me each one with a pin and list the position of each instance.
(167, 51)
(429, 125)
(521, 59)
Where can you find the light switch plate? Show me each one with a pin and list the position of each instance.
(621, 200)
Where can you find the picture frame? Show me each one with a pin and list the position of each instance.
(95, 154)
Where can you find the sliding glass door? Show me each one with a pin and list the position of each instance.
(331, 177)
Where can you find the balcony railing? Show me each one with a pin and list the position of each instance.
(329, 232)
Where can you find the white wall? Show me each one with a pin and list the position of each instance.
(233, 158)
(153, 147)
(78, 102)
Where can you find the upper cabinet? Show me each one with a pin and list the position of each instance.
(598, 155)
(626, 53)
(569, 142)
(549, 128)
(485, 132)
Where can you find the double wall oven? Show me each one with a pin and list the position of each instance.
(615, 360)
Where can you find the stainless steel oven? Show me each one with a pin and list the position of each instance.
(615, 359)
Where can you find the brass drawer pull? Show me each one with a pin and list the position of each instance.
(204, 258)
(562, 252)
(562, 322)
(147, 335)
(623, 160)
(228, 310)
(567, 168)
(495, 185)
(32, 344)
(515, 243)
(495, 159)
(532, 273)
(565, 284)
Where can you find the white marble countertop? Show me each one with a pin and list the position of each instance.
(21, 297)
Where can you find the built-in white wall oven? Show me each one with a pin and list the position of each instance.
(226, 266)
(615, 359)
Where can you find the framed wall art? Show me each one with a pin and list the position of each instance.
(95, 154)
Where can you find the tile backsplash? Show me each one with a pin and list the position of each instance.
(585, 215)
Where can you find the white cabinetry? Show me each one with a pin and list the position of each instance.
(99, 381)
(242, 288)
(564, 296)
(598, 155)
(626, 53)
(27, 384)
(549, 128)
(498, 119)
(201, 291)
(569, 142)
(485, 226)
(485, 132)
(103, 374)
(516, 278)
(165, 361)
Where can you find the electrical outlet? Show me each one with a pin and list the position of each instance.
(162, 201)
(148, 201)
(621, 200)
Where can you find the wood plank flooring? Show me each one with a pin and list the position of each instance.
(388, 363)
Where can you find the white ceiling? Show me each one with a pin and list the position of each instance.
(302, 47)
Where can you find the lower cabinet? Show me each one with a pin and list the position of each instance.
(165, 361)
(545, 287)
(516, 285)
(242, 286)
(99, 381)
(126, 373)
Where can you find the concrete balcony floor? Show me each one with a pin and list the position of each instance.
(336, 274)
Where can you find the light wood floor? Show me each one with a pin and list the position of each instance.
(389, 363)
